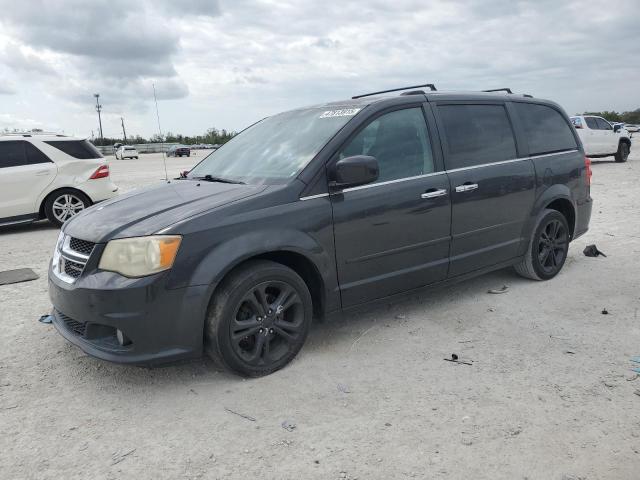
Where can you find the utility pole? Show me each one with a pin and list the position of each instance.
(98, 108)
(124, 133)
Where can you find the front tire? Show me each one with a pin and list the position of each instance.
(623, 152)
(548, 247)
(65, 204)
(258, 319)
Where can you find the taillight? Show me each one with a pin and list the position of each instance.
(101, 172)
(587, 164)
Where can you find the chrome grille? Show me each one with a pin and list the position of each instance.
(81, 246)
(70, 257)
(73, 269)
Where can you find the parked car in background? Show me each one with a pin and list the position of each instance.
(178, 151)
(320, 209)
(601, 139)
(126, 151)
(50, 176)
(632, 128)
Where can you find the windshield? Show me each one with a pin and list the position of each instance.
(276, 148)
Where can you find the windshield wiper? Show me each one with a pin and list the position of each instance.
(211, 178)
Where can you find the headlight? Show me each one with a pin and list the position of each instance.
(140, 256)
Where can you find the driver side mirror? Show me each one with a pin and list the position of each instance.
(354, 171)
(616, 128)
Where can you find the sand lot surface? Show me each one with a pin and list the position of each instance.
(550, 393)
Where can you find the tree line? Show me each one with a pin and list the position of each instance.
(625, 117)
(212, 136)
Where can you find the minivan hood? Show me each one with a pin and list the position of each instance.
(148, 210)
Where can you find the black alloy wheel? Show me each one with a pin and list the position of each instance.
(268, 323)
(548, 247)
(553, 243)
(258, 318)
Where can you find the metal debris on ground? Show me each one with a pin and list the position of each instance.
(46, 319)
(454, 358)
(16, 276)
(635, 359)
(570, 352)
(503, 289)
(247, 417)
(605, 311)
(343, 388)
(592, 251)
(289, 426)
(119, 457)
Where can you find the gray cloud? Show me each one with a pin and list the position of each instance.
(233, 61)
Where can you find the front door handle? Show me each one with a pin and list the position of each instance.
(434, 193)
(42, 173)
(467, 187)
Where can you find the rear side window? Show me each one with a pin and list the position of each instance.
(591, 123)
(476, 134)
(545, 128)
(12, 154)
(34, 155)
(81, 149)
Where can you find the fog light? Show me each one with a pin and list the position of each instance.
(123, 340)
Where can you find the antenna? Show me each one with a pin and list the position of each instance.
(164, 156)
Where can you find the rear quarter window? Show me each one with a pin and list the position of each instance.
(545, 128)
(476, 134)
(81, 149)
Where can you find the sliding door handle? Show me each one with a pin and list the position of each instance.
(434, 193)
(467, 187)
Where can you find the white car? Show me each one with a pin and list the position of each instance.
(632, 128)
(600, 139)
(50, 176)
(126, 151)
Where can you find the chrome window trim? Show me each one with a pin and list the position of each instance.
(442, 172)
(311, 197)
(389, 182)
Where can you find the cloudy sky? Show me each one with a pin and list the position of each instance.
(228, 63)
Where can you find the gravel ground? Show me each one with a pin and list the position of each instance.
(550, 393)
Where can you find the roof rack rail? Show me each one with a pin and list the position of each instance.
(32, 134)
(431, 87)
(508, 90)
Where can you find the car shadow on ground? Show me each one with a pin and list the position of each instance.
(324, 335)
(28, 227)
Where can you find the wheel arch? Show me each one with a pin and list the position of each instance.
(295, 249)
(556, 197)
(43, 202)
(625, 140)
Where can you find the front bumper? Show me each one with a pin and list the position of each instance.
(163, 325)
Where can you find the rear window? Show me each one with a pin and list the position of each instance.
(545, 128)
(81, 149)
(477, 134)
(34, 155)
(129, 148)
(12, 154)
(591, 123)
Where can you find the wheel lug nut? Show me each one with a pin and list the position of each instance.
(271, 330)
(260, 319)
(261, 330)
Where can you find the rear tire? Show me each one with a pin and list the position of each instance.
(258, 319)
(623, 152)
(548, 247)
(64, 204)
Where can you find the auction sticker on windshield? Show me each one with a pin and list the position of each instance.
(345, 112)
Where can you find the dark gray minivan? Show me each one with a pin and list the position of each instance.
(320, 209)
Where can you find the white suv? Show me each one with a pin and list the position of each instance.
(600, 139)
(126, 151)
(49, 175)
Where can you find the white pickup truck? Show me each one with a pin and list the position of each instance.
(600, 139)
